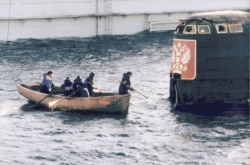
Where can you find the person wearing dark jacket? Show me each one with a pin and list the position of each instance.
(79, 88)
(125, 83)
(47, 85)
(89, 82)
(67, 87)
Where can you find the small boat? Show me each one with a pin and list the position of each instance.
(100, 102)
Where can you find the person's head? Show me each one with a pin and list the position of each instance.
(78, 77)
(50, 73)
(129, 73)
(92, 74)
(67, 80)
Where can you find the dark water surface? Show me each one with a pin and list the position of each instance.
(152, 133)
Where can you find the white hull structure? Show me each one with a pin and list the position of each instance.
(20, 19)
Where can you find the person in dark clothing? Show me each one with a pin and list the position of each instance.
(89, 82)
(67, 87)
(47, 85)
(125, 83)
(79, 88)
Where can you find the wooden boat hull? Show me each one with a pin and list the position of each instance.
(102, 102)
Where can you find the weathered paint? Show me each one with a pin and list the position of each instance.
(104, 102)
(184, 58)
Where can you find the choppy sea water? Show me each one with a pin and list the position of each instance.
(152, 133)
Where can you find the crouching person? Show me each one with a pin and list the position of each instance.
(81, 92)
(79, 88)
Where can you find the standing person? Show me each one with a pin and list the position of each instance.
(79, 88)
(47, 85)
(125, 83)
(89, 82)
(67, 87)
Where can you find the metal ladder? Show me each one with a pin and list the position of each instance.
(109, 18)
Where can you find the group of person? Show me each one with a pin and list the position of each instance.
(78, 88)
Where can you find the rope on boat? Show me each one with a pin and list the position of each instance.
(176, 96)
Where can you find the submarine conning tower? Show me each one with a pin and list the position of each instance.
(210, 59)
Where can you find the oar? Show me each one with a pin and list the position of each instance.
(39, 101)
(52, 103)
(140, 93)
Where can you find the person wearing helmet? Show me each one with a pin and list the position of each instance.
(125, 83)
(47, 85)
(89, 82)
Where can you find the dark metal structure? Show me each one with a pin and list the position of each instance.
(210, 62)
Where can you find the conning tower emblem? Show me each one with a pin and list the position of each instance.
(184, 58)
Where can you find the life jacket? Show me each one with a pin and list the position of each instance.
(67, 87)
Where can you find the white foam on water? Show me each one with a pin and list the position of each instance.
(7, 109)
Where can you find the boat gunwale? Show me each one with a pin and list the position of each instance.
(61, 96)
(121, 107)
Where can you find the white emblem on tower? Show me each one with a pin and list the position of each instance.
(184, 58)
(181, 58)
